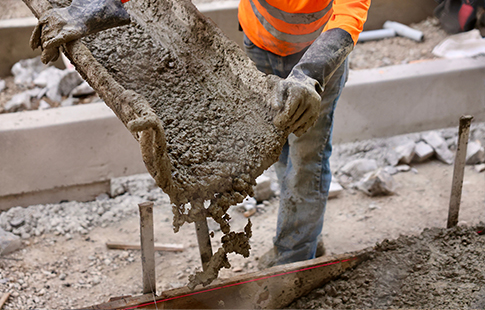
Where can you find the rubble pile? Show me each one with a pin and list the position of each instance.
(72, 217)
(369, 165)
(44, 87)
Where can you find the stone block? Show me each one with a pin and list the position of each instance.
(359, 167)
(335, 189)
(405, 152)
(422, 152)
(263, 190)
(440, 146)
(475, 153)
(377, 183)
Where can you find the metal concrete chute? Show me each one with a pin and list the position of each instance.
(197, 105)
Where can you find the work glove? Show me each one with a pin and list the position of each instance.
(81, 18)
(298, 97)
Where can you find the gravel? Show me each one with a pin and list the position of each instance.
(81, 217)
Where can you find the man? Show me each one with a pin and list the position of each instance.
(306, 42)
(285, 38)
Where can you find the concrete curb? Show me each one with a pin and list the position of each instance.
(68, 153)
(408, 98)
(71, 153)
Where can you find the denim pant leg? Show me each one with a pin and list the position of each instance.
(303, 168)
(306, 181)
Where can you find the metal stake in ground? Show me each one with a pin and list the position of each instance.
(459, 170)
(147, 247)
(203, 238)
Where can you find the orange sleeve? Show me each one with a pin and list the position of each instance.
(349, 15)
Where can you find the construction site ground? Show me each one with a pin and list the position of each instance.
(59, 270)
(69, 271)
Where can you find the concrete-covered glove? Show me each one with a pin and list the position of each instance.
(298, 97)
(81, 18)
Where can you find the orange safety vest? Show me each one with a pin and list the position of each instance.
(285, 27)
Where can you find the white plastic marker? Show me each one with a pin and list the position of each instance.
(404, 31)
(376, 34)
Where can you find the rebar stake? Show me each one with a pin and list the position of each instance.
(459, 170)
(147, 248)
(203, 239)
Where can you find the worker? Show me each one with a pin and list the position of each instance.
(305, 42)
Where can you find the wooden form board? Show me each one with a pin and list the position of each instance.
(272, 288)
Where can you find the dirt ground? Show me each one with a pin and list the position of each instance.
(53, 272)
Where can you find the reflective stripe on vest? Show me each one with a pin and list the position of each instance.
(295, 30)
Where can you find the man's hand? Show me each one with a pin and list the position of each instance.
(55, 27)
(298, 104)
(298, 97)
(59, 26)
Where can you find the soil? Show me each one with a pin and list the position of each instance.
(439, 269)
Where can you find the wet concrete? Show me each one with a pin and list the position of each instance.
(211, 101)
(441, 268)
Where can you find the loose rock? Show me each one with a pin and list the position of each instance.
(335, 189)
(44, 105)
(48, 77)
(8, 242)
(359, 167)
(422, 152)
(475, 153)
(440, 147)
(82, 89)
(25, 71)
(405, 152)
(69, 81)
(2, 85)
(377, 183)
(18, 102)
(403, 168)
(263, 190)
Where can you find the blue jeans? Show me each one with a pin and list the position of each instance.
(303, 168)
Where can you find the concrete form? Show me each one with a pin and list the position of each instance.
(71, 153)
